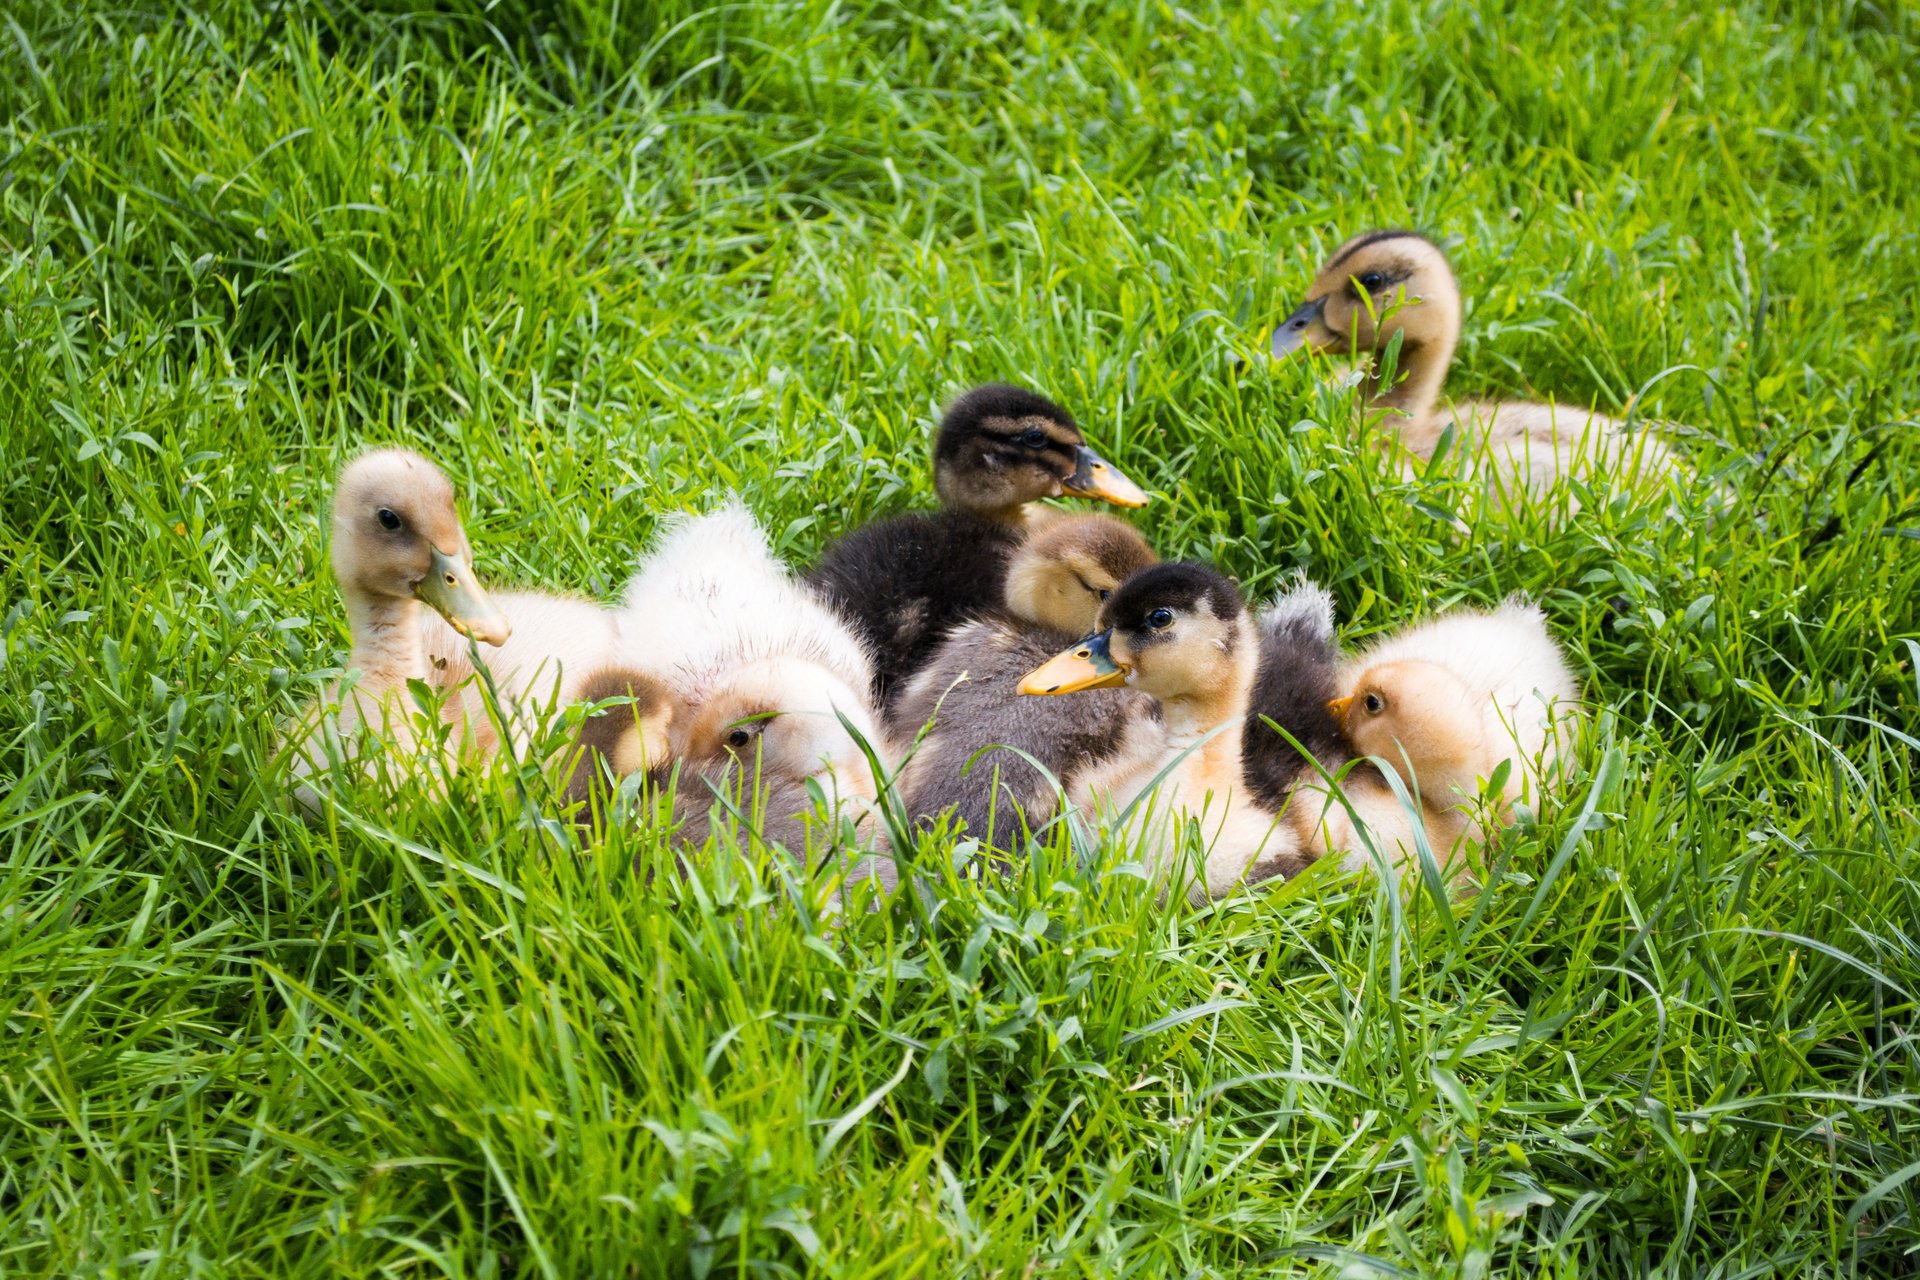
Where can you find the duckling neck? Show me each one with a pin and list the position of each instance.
(1421, 369)
(1189, 719)
(387, 641)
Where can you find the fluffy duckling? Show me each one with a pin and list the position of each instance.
(1298, 678)
(969, 690)
(1182, 634)
(397, 545)
(1523, 447)
(903, 583)
(627, 731)
(760, 666)
(1443, 703)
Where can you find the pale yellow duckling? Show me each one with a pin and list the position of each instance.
(398, 544)
(1388, 283)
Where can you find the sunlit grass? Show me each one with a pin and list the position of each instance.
(608, 264)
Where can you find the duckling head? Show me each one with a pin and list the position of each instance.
(1419, 715)
(1177, 631)
(1001, 447)
(1061, 575)
(397, 536)
(784, 715)
(1374, 286)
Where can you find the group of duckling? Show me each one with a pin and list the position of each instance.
(1000, 659)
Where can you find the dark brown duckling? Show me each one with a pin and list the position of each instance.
(1298, 676)
(903, 583)
(970, 690)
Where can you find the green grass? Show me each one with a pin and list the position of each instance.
(606, 267)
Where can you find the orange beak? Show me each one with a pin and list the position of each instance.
(1094, 477)
(1339, 708)
(1088, 665)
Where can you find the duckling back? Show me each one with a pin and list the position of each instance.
(902, 584)
(1299, 668)
(712, 597)
(970, 690)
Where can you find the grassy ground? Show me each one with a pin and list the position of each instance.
(607, 267)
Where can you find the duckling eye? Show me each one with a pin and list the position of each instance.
(739, 738)
(1033, 438)
(1104, 592)
(1371, 281)
(1160, 619)
(1374, 704)
(389, 518)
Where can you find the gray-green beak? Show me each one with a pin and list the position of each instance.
(457, 596)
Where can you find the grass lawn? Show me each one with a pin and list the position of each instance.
(607, 267)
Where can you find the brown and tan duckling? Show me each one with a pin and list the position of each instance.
(970, 690)
(627, 730)
(904, 582)
(1388, 283)
(1181, 633)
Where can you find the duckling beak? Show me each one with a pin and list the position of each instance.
(1296, 328)
(1339, 708)
(1088, 665)
(1094, 477)
(457, 595)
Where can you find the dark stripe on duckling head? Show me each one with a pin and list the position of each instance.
(970, 413)
(1183, 587)
(1375, 237)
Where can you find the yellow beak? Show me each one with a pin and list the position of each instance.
(452, 590)
(1094, 477)
(1339, 708)
(1088, 665)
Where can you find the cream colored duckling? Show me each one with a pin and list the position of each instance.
(763, 668)
(1444, 702)
(398, 544)
(1398, 282)
(1181, 632)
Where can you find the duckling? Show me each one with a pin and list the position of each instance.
(1405, 278)
(627, 732)
(968, 689)
(1181, 633)
(397, 544)
(1443, 703)
(903, 583)
(1298, 678)
(758, 664)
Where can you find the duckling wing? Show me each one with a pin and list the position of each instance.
(1299, 662)
(969, 689)
(903, 583)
